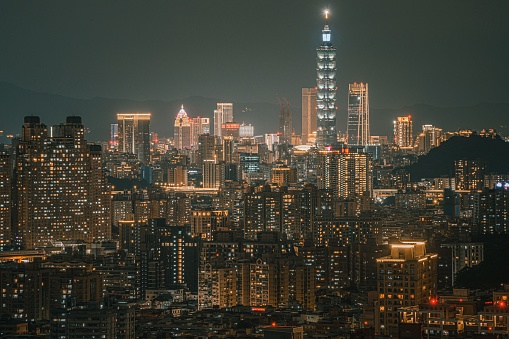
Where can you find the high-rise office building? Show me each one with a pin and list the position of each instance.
(62, 192)
(407, 277)
(308, 113)
(200, 126)
(403, 132)
(230, 129)
(223, 114)
(326, 90)
(182, 130)
(357, 128)
(134, 135)
(285, 122)
(227, 150)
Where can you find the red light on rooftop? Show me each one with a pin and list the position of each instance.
(502, 304)
(433, 301)
(258, 309)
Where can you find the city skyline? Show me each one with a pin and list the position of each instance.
(237, 224)
(250, 111)
(390, 55)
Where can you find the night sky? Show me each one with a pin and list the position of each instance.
(446, 53)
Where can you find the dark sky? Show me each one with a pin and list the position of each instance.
(447, 53)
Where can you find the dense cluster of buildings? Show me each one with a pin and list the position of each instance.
(219, 232)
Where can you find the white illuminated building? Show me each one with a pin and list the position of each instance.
(326, 89)
(223, 114)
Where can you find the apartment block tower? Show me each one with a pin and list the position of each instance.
(326, 134)
(357, 129)
(5, 200)
(407, 277)
(61, 190)
(223, 114)
(403, 132)
(347, 173)
(308, 113)
(134, 135)
(469, 174)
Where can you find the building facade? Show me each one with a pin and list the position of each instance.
(403, 132)
(407, 277)
(62, 192)
(358, 115)
(134, 135)
(347, 172)
(223, 114)
(308, 113)
(183, 130)
(326, 68)
(5, 200)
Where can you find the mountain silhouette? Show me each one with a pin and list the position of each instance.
(440, 160)
(98, 113)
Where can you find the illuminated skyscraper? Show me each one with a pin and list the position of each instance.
(200, 126)
(223, 114)
(134, 135)
(62, 192)
(182, 130)
(403, 132)
(326, 90)
(308, 113)
(347, 173)
(357, 128)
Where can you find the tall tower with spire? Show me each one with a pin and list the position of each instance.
(182, 130)
(326, 89)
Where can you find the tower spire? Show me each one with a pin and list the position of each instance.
(326, 68)
(326, 33)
